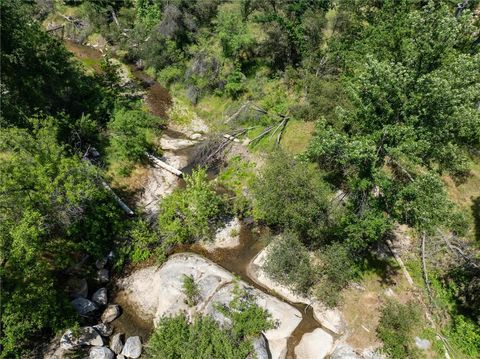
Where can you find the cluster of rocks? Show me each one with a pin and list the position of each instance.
(98, 339)
(100, 347)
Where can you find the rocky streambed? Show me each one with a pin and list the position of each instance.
(305, 329)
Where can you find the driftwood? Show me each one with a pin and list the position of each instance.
(158, 162)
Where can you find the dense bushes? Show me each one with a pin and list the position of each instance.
(323, 274)
(293, 195)
(39, 75)
(53, 208)
(191, 214)
(396, 329)
(132, 133)
(288, 263)
(175, 337)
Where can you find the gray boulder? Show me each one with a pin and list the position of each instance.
(116, 343)
(120, 356)
(86, 336)
(111, 313)
(103, 276)
(84, 306)
(100, 296)
(344, 351)
(423, 344)
(100, 263)
(132, 348)
(260, 346)
(101, 353)
(77, 287)
(103, 329)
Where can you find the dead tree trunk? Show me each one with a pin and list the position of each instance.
(157, 162)
(117, 199)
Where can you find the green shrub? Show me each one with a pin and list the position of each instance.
(465, 335)
(190, 288)
(144, 240)
(292, 195)
(170, 74)
(248, 319)
(288, 263)
(237, 177)
(175, 337)
(235, 83)
(191, 214)
(396, 329)
(130, 134)
(335, 271)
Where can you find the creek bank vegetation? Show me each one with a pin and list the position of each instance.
(392, 88)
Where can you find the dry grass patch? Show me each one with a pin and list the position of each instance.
(361, 305)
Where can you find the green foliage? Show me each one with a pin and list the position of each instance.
(396, 329)
(144, 241)
(465, 335)
(191, 214)
(423, 204)
(235, 83)
(175, 337)
(237, 177)
(336, 269)
(288, 263)
(291, 194)
(38, 74)
(148, 13)
(234, 36)
(131, 135)
(191, 290)
(52, 209)
(248, 319)
(409, 118)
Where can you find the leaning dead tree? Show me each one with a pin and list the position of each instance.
(117, 199)
(249, 110)
(90, 156)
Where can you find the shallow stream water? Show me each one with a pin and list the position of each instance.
(235, 260)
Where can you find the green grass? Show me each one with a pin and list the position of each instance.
(464, 337)
(296, 136)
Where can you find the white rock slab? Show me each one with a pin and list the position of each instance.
(315, 345)
(331, 319)
(226, 237)
(175, 144)
(157, 292)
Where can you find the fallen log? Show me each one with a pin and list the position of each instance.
(158, 162)
(117, 199)
(231, 138)
(107, 187)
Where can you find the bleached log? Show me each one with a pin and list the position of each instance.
(117, 199)
(158, 162)
(231, 138)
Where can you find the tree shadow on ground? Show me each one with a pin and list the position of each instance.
(381, 262)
